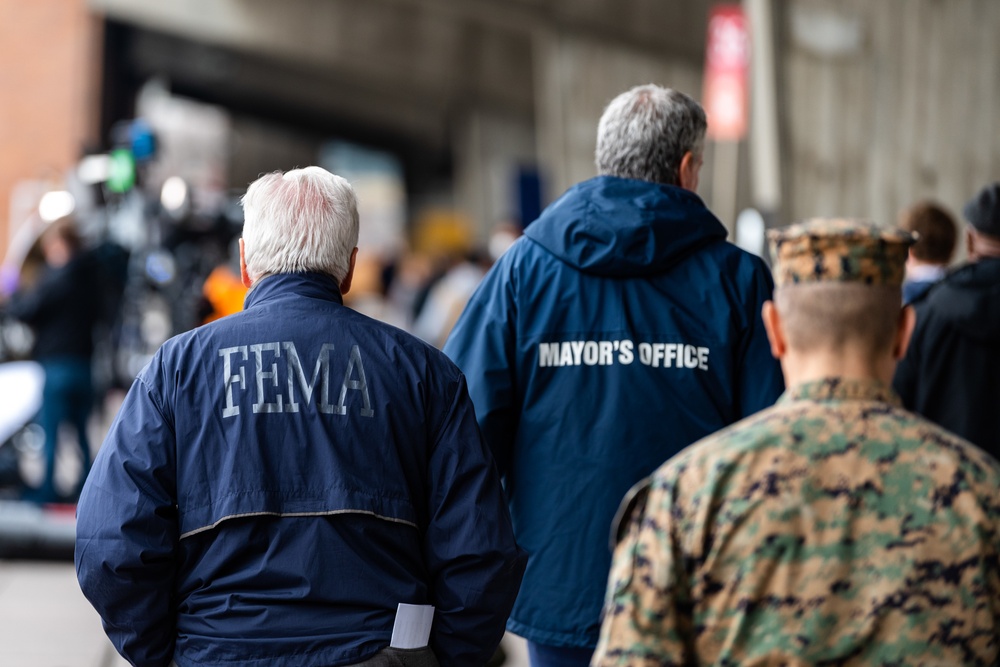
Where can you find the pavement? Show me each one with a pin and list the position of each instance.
(46, 622)
(44, 619)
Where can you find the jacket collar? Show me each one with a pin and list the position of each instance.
(614, 226)
(307, 284)
(841, 389)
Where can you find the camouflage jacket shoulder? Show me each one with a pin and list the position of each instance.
(834, 528)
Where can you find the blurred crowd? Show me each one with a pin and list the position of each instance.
(792, 449)
(103, 272)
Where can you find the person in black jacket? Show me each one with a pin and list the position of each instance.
(951, 373)
(62, 308)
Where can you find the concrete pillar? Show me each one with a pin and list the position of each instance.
(489, 151)
(576, 77)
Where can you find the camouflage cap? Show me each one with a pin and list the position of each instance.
(839, 250)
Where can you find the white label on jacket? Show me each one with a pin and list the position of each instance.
(271, 362)
(624, 352)
(412, 628)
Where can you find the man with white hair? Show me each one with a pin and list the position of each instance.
(279, 481)
(619, 329)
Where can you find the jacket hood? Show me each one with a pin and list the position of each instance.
(625, 227)
(969, 299)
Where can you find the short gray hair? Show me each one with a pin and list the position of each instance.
(301, 220)
(645, 132)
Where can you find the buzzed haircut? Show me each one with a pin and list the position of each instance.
(833, 315)
(936, 229)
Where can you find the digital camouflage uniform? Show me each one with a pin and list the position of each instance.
(834, 528)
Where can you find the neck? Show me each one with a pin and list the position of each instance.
(984, 247)
(925, 271)
(800, 367)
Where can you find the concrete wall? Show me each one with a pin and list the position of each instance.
(576, 77)
(888, 102)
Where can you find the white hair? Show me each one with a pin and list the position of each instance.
(645, 132)
(302, 220)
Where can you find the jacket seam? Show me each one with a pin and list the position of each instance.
(242, 515)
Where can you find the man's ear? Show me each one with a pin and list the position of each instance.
(687, 174)
(904, 330)
(774, 330)
(345, 284)
(243, 268)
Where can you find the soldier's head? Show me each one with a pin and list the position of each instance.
(837, 306)
(983, 214)
(653, 134)
(300, 220)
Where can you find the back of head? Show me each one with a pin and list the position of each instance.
(61, 241)
(936, 232)
(301, 220)
(983, 214)
(839, 316)
(66, 231)
(837, 284)
(645, 132)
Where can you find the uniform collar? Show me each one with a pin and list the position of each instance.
(308, 284)
(841, 389)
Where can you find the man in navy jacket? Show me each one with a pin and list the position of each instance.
(278, 481)
(621, 328)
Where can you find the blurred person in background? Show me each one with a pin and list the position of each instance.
(930, 256)
(279, 481)
(835, 528)
(223, 291)
(447, 297)
(62, 308)
(951, 373)
(619, 329)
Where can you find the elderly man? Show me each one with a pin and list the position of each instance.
(951, 372)
(621, 328)
(279, 481)
(832, 529)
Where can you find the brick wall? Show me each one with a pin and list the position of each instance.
(49, 92)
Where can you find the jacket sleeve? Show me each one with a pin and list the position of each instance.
(127, 531)
(759, 379)
(474, 564)
(483, 345)
(647, 613)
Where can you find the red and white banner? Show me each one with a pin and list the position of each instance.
(727, 67)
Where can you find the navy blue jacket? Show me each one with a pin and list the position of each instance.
(620, 329)
(276, 482)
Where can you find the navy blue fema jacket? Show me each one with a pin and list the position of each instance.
(275, 483)
(622, 328)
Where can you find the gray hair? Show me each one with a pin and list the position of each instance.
(645, 132)
(302, 220)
